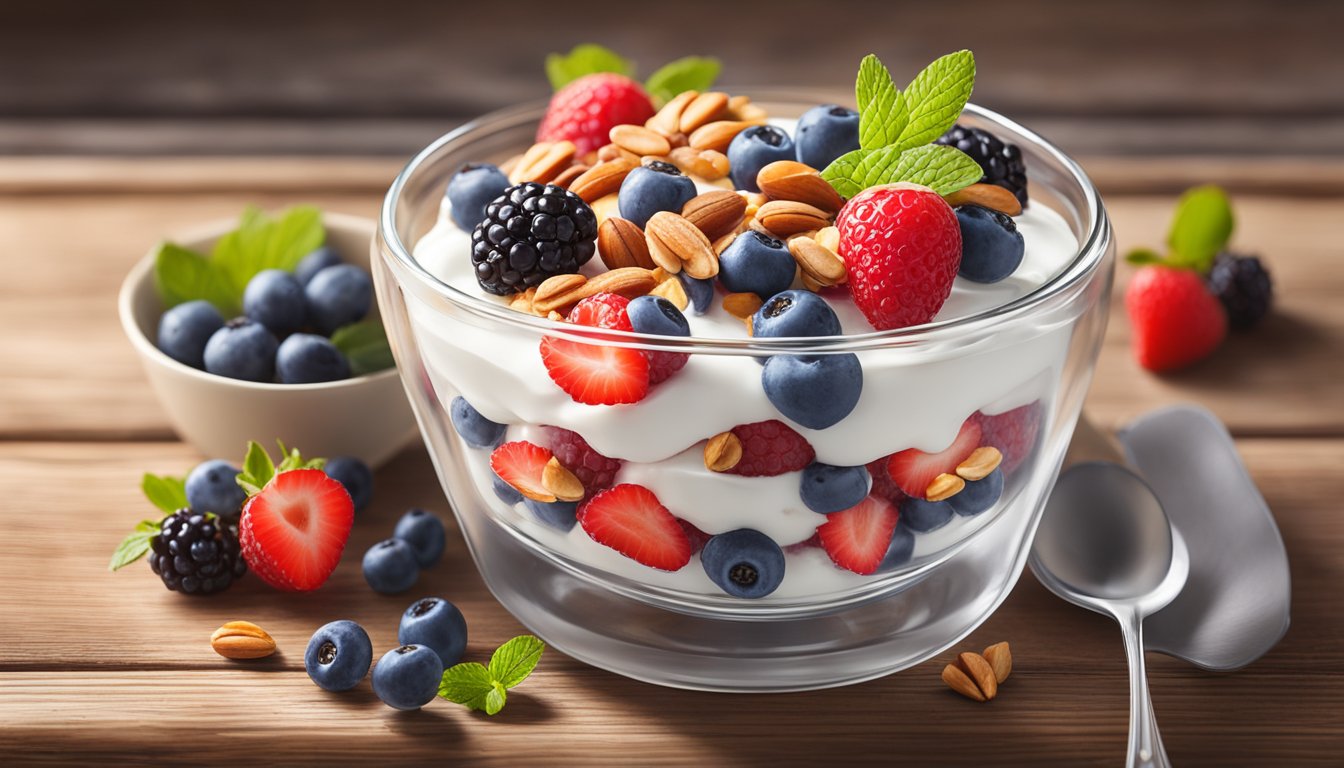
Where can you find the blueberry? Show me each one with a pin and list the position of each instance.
(274, 298)
(757, 263)
(827, 488)
(900, 550)
(338, 296)
(794, 313)
(408, 677)
(700, 291)
(390, 567)
(825, 133)
(478, 431)
(185, 329)
(560, 515)
(306, 358)
(651, 188)
(472, 188)
(657, 316)
(436, 624)
(425, 533)
(315, 262)
(242, 349)
(923, 516)
(213, 487)
(506, 493)
(338, 655)
(753, 149)
(816, 391)
(978, 495)
(743, 563)
(355, 475)
(991, 246)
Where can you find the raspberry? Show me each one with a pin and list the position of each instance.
(1001, 162)
(883, 485)
(195, 554)
(586, 110)
(1242, 284)
(771, 448)
(1012, 432)
(595, 471)
(531, 232)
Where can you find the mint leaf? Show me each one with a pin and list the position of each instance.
(940, 168)
(261, 242)
(692, 73)
(494, 700)
(365, 345)
(1201, 227)
(513, 661)
(935, 99)
(134, 546)
(586, 59)
(1141, 256)
(258, 469)
(882, 111)
(468, 684)
(181, 275)
(167, 493)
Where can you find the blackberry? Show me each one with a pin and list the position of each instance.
(195, 554)
(531, 232)
(1242, 284)
(1001, 162)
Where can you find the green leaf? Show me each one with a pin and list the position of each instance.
(468, 684)
(258, 469)
(167, 493)
(181, 275)
(260, 243)
(692, 73)
(882, 110)
(294, 460)
(134, 546)
(513, 661)
(365, 345)
(1201, 227)
(494, 700)
(585, 59)
(935, 99)
(943, 169)
(1141, 256)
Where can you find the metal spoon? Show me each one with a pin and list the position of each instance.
(1105, 544)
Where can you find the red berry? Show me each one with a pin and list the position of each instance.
(597, 373)
(293, 532)
(858, 538)
(1174, 317)
(771, 448)
(663, 364)
(602, 310)
(595, 471)
(586, 110)
(902, 247)
(520, 464)
(630, 520)
(697, 537)
(883, 485)
(811, 542)
(913, 470)
(1012, 432)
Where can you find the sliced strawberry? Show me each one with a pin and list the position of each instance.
(598, 374)
(293, 532)
(520, 464)
(630, 520)
(883, 485)
(913, 470)
(771, 448)
(857, 539)
(698, 538)
(595, 471)
(1012, 432)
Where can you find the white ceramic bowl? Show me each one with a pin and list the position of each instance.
(366, 416)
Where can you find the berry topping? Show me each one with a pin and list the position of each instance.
(858, 538)
(390, 567)
(978, 495)
(756, 263)
(475, 429)
(1012, 432)
(531, 232)
(1173, 316)
(195, 553)
(1242, 284)
(991, 246)
(653, 187)
(699, 291)
(293, 531)
(913, 469)
(753, 149)
(437, 624)
(1002, 163)
(657, 316)
(586, 110)
(900, 550)
(826, 488)
(560, 515)
(630, 520)
(595, 471)
(771, 448)
(596, 373)
(923, 516)
(185, 329)
(473, 188)
(744, 563)
(795, 313)
(520, 464)
(883, 485)
(698, 537)
(816, 391)
(902, 247)
(825, 133)
(338, 655)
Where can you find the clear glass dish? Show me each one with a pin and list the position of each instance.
(825, 629)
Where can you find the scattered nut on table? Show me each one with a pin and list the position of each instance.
(977, 676)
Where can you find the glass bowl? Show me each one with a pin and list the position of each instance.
(1030, 358)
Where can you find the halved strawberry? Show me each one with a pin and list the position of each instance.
(857, 538)
(520, 464)
(293, 532)
(913, 469)
(598, 374)
(631, 520)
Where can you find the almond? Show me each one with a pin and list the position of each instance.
(722, 452)
(602, 179)
(610, 152)
(715, 213)
(980, 463)
(790, 180)
(829, 238)
(721, 244)
(522, 302)
(620, 243)
(560, 481)
(789, 217)
(960, 682)
(987, 196)
(668, 119)
(976, 668)
(543, 161)
(639, 140)
(567, 176)
(704, 108)
(741, 305)
(242, 640)
(741, 108)
(676, 244)
(718, 134)
(817, 262)
(705, 163)
(558, 291)
(944, 487)
(630, 282)
(1000, 658)
(673, 291)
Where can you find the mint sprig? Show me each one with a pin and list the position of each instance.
(690, 73)
(940, 168)
(1200, 228)
(365, 345)
(482, 687)
(134, 546)
(259, 469)
(168, 494)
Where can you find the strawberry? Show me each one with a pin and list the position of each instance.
(883, 485)
(595, 471)
(811, 542)
(1012, 432)
(586, 110)
(902, 246)
(1174, 317)
(771, 448)
(697, 537)
(520, 464)
(630, 520)
(598, 374)
(857, 538)
(292, 533)
(913, 469)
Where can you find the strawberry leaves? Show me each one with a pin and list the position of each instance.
(259, 469)
(690, 73)
(1200, 229)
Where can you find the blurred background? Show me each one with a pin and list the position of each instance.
(328, 77)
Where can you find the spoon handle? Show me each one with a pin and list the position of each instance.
(1145, 743)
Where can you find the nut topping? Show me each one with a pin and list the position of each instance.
(621, 243)
(980, 463)
(560, 481)
(676, 244)
(722, 452)
(543, 162)
(242, 640)
(789, 217)
(715, 213)
(602, 179)
(705, 163)
(742, 305)
(668, 119)
(789, 180)
(817, 262)
(944, 487)
(704, 108)
(639, 140)
(718, 134)
(987, 196)
(673, 291)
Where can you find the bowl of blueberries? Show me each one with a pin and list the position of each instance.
(265, 329)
